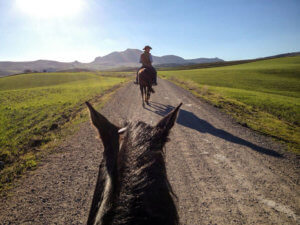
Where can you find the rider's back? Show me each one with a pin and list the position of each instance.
(146, 59)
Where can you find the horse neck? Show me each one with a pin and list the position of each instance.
(144, 194)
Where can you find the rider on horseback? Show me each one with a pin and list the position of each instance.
(146, 60)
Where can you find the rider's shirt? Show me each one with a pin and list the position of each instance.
(146, 59)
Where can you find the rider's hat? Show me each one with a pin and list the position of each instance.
(147, 46)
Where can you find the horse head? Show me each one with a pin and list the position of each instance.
(132, 185)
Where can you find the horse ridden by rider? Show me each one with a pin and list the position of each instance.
(146, 61)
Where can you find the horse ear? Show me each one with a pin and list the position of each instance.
(168, 121)
(109, 136)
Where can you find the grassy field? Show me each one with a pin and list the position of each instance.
(263, 95)
(34, 106)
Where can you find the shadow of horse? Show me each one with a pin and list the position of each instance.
(190, 120)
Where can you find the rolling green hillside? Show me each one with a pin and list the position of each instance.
(223, 63)
(34, 106)
(264, 95)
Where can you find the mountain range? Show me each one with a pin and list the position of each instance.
(127, 58)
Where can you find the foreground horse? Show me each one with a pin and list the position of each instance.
(132, 186)
(145, 77)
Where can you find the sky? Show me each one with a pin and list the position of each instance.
(69, 30)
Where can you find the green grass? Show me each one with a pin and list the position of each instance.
(34, 106)
(264, 95)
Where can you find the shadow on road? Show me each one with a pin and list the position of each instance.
(190, 120)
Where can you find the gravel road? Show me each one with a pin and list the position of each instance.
(222, 173)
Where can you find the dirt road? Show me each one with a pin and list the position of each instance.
(222, 173)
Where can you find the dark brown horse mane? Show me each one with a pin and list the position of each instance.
(140, 192)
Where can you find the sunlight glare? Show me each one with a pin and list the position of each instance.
(50, 8)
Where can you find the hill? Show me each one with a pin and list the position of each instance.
(221, 63)
(130, 57)
(114, 60)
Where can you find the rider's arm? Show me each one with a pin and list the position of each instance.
(150, 57)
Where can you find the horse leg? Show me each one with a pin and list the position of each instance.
(141, 88)
(147, 95)
(146, 99)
